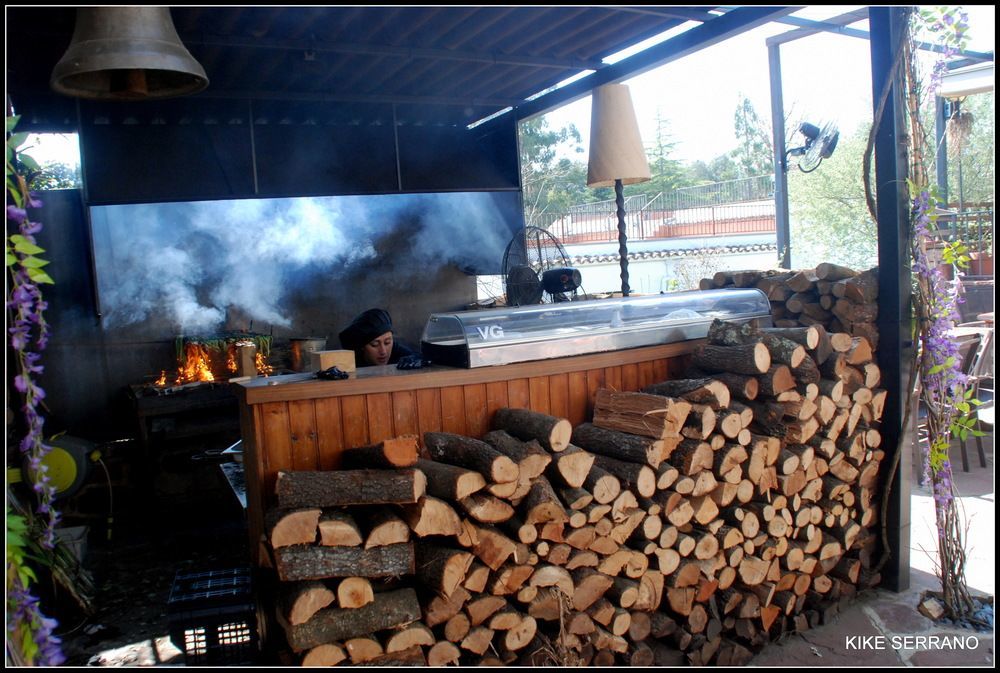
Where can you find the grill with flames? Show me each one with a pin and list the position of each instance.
(201, 359)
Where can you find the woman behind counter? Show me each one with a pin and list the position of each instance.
(370, 337)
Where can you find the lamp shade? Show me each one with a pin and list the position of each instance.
(616, 151)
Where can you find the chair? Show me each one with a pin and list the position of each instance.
(980, 369)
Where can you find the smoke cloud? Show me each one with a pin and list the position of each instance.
(190, 263)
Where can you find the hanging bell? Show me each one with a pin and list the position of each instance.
(126, 53)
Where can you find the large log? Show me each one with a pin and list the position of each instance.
(640, 478)
(640, 414)
(392, 453)
(471, 453)
(389, 609)
(551, 432)
(751, 358)
(697, 391)
(530, 457)
(349, 487)
(304, 562)
(450, 482)
(623, 445)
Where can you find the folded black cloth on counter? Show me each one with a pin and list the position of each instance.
(412, 362)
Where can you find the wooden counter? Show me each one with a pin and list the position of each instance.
(298, 422)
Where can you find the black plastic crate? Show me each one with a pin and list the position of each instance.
(213, 617)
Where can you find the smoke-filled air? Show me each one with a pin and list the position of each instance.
(189, 263)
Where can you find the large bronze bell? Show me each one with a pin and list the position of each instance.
(126, 53)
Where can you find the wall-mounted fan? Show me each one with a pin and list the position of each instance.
(820, 144)
(536, 269)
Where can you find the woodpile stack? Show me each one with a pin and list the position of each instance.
(692, 522)
(839, 299)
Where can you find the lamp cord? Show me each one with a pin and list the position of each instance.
(111, 499)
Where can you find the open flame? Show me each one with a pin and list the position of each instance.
(263, 368)
(215, 359)
(196, 365)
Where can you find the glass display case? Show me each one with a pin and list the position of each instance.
(523, 333)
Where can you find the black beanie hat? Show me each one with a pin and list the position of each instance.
(370, 324)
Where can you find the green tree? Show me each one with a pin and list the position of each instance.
(829, 219)
(719, 169)
(550, 183)
(667, 174)
(754, 155)
(56, 175)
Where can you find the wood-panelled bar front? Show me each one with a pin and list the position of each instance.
(298, 422)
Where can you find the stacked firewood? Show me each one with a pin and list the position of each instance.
(693, 521)
(834, 297)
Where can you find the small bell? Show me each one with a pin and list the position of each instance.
(126, 53)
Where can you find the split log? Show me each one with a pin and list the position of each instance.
(298, 526)
(397, 452)
(383, 527)
(551, 432)
(349, 487)
(301, 562)
(571, 466)
(432, 516)
(589, 586)
(354, 592)
(363, 649)
(440, 608)
(441, 569)
(443, 653)
(641, 414)
(777, 379)
(542, 505)
(471, 453)
(828, 271)
(486, 509)
(411, 656)
(478, 640)
(338, 529)
(298, 602)
(327, 654)
(492, 547)
(388, 610)
(700, 422)
(416, 635)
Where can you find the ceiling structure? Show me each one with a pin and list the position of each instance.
(467, 62)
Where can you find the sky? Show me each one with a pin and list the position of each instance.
(825, 78)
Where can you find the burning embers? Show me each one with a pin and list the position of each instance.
(219, 358)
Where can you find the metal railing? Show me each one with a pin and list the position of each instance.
(732, 207)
